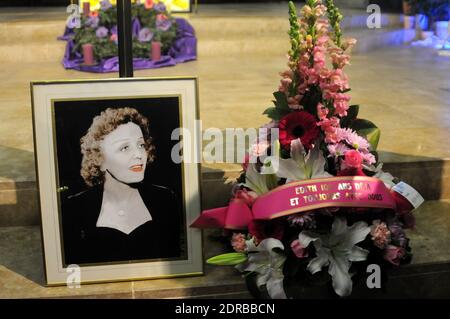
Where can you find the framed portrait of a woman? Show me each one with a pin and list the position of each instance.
(116, 200)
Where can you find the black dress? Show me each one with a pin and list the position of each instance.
(85, 243)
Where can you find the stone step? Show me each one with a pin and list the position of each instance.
(22, 272)
(263, 45)
(19, 199)
(29, 29)
(28, 39)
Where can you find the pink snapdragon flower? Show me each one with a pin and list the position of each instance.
(320, 10)
(322, 111)
(286, 81)
(294, 102)
(306, 11)
(341, 104)
(322, 26)
(348, 44)
(338, 81)
(330, 127)
(339, 61)
(312, 75)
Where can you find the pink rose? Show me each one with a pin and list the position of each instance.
(298, 249)
(352, 164)
(394, 254)
(353, 159)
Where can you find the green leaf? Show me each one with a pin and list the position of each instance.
(352, 114)
(311, 99)
(230, 259)
(369, 130)
(273, 113)
(281, 101)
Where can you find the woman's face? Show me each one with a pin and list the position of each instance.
(124, 153)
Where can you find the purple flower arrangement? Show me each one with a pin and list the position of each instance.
(99, 28)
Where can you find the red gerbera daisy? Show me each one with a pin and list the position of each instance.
(298, 124)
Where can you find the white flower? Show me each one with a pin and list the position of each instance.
(387, 178)
(337, 250)
(254, 180)
(302, 166)
(268, 264)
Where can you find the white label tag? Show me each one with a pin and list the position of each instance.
(409, 193)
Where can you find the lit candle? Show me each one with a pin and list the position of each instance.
(156, 50)
(88, 54)
(86, 8)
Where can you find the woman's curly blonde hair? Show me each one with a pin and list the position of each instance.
(101, 126)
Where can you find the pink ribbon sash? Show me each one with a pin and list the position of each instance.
(297, 197)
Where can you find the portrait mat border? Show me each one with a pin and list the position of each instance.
(44, 93)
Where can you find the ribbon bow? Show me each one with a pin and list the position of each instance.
(237, 215)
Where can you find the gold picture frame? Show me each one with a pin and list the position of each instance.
(160, 246)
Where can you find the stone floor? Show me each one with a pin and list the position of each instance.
(20, 247)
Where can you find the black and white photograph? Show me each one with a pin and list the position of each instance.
(120, 197)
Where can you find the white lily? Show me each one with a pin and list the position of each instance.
(258, 182)
(387, 178)
(337, 250)
(301, 165)
(268, 264)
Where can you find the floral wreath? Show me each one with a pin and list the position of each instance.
(324, 210)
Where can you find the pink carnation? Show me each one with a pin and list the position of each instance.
(238, 243)
(298, 250)
(394, 254)
(380, 234)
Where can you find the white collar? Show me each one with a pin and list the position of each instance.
(124, 214)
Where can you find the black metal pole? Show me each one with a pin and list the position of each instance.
(124, 37)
